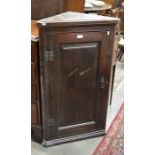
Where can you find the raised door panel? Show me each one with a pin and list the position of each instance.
(79, 64)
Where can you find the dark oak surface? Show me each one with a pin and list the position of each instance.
(35, 94)
(45, 8)
(35, 84)
(74, 5)
(75, 65)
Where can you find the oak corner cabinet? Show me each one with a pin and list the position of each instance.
(75, 65)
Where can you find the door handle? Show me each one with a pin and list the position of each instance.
(102, 82)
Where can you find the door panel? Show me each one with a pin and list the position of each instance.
(79, 75)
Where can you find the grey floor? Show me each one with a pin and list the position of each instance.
(84, 147)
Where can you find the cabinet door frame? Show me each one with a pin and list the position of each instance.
(49, 43)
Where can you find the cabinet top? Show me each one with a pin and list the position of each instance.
(75, 18)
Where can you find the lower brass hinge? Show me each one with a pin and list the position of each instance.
(51, 122)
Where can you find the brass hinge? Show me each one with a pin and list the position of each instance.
(102, 82)
(49, 55)
(51, 122)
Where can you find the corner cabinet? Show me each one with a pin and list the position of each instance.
(75, 75)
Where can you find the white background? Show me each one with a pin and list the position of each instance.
(15, 77)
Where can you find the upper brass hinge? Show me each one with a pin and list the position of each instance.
(49, 55)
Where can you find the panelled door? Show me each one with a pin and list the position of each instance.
(77, 80)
